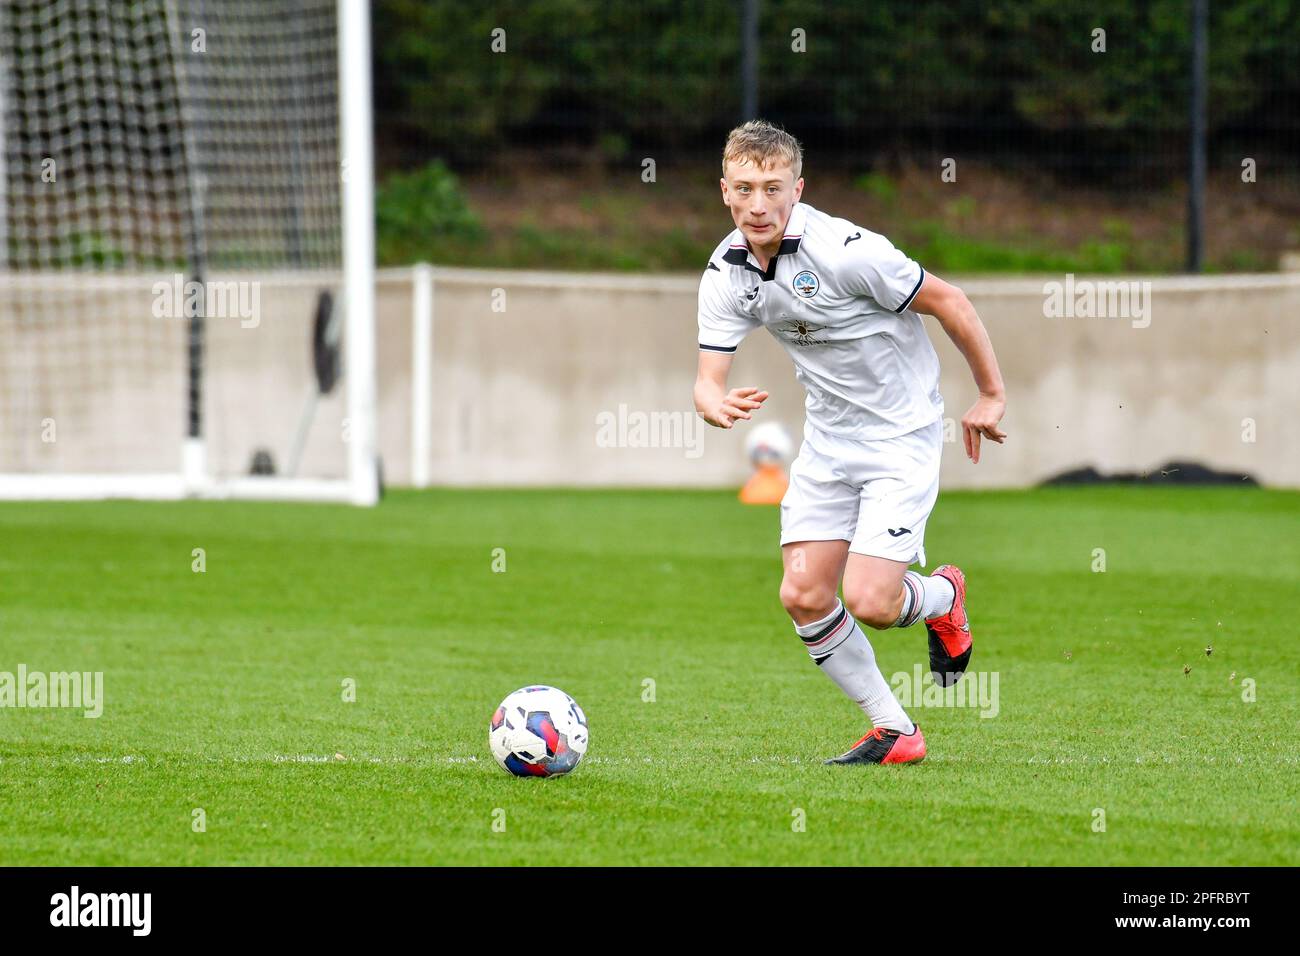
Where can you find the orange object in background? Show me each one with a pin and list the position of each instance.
(766, 487)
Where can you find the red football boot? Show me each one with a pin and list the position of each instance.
(950, 643)
(885, 746)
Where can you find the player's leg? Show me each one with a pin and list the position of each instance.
(897, 497)
(949, 629)
(893, 738)
(882, 593)
(829, 633)
(818, 517)
(874, 591)
(811, 579)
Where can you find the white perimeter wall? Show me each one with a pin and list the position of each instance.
(518, 395)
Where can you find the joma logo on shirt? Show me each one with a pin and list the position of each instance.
(802, 333)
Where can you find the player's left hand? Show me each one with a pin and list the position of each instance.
(982, 419)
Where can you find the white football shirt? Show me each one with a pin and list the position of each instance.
(836, 296)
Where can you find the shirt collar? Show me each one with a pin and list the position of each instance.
(738, 248)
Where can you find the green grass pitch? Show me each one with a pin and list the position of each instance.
(224, 689)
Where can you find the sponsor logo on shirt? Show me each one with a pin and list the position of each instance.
(804, 333)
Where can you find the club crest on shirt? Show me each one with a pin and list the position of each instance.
(806, 284)
(804, 333)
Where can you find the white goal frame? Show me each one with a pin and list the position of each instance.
(191, 479)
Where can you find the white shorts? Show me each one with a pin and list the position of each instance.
(877, 495)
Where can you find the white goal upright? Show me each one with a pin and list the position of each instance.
(186, 250)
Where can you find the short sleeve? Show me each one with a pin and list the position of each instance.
(722, 324)
(878, 270)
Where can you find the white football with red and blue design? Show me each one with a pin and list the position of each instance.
(538, 731)
(769, 444)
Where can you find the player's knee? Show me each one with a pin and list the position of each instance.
(872, 606)
(805, 602)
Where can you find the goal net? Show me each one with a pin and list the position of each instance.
(186, 249)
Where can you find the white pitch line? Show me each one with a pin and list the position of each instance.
(611, 761)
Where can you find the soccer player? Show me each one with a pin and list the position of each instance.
(847, 306)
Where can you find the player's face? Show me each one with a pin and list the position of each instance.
(760, 201)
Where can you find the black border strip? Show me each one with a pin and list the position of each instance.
(908, 300)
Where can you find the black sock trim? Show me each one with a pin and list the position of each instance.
(913, 612)
(839, 619)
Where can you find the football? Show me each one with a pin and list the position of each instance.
(768, 444)
(538, 731)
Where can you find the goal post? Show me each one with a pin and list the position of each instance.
(187, 250)
(359, 244)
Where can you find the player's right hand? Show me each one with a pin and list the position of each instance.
(738, 404)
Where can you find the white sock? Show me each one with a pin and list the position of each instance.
(924, 597)
(839, 647)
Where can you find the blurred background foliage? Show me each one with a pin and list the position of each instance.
(880, 92)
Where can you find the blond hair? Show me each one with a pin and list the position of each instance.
(764, 145)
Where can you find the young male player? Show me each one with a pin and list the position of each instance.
(846, 305)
